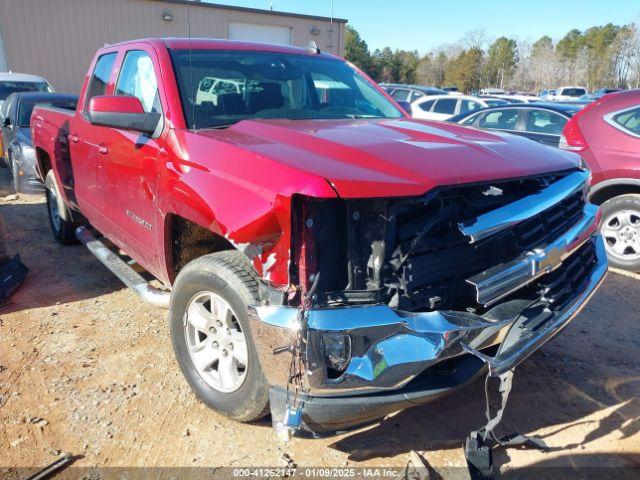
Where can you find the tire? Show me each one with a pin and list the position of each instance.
(14, 173)
(62, 225)
(218, 279)
(620, 229)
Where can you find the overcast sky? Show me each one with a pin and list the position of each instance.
(425, 24)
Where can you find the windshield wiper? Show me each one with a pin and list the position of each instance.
(224, 124)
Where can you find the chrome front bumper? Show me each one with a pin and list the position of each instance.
(390, 348)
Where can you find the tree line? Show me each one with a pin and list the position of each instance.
(605, 56)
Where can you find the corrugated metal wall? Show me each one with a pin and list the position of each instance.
(57, 38)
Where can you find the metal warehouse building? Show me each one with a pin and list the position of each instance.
(57, 38)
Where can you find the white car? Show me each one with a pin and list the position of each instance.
(518, 98)
(21, 82)
(443, 107)
(568, 94)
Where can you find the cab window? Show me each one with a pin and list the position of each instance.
(138, 79)
(100, 76)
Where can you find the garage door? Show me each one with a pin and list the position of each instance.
(252, 32)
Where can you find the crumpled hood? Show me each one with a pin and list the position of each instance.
(393, 157)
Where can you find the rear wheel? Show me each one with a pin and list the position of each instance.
(62, 225)
(620, 230)
(211, 334)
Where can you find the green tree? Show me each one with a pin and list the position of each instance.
(464, 72)
(570, 44)
(501, 62)
(356, 50)
(541, 46)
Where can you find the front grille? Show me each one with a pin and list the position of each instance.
(561, 284)
(434, 275)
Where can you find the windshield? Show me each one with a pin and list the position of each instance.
(27, 106)
(7, 88)
(219, 88)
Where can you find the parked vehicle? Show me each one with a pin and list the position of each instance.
(15, 134)
(607, 135)
(452, 90)
(492, 91)
(541, 122)
(339, 251)
(404, 95)
(567, 94)
(21, 82)
(590, 97)
(546, 94)
(519, 98)
(443, 107)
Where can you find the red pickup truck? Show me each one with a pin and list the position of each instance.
(319, 251)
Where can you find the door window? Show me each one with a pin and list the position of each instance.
(472, 118)
(445, 105)
(400, 95)
(541, 121)
(629, 121)
(138, 79)
(469, 106)
(100, 76)
(500, 119)
(416, 95)
(426, 106)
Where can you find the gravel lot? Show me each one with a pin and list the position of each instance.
(87, 368)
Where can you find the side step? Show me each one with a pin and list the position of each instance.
(128, 276)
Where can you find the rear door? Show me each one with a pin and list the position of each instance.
(130, 161)
(86, 176)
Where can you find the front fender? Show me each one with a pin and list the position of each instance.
(238, 195)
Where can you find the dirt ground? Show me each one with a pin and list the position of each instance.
(87, 368)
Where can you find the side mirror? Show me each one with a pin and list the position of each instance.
(123, 112)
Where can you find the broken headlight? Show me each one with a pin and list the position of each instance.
(336, 347)
(319, 244)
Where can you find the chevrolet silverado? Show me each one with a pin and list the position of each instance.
(320, 253)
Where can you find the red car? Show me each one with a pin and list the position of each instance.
(322, 254)
(607, 135)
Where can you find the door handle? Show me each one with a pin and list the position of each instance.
(74, 138)
(103, 150)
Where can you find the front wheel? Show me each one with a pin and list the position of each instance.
(620, 230)
(211, 334)
(62, 225)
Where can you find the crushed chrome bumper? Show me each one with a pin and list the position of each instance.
(389, 349)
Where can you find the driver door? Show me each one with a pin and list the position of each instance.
(130, 159)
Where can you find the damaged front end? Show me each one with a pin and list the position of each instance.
(411, 296)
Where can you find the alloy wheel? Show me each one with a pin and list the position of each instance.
(621, 232)
(215, 341)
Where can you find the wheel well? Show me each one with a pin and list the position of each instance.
(44, 162)
(607, 193)
(189, 241)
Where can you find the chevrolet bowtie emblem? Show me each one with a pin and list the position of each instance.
(492, 192)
